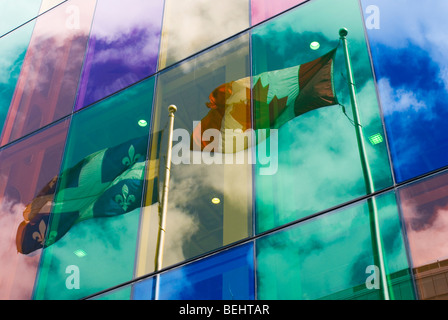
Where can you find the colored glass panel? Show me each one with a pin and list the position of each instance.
(46, 88)
(424, 205)
(315, 163)
(123, 47)
(409, 51)
(25, 168)
(189, 27)
(228, 275)
(49, 4)
(17, 12)
(210, 197)
(265, 9)
(13, 48)
(333, 257)
(94, 223)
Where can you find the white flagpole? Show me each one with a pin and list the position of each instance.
(164, 201)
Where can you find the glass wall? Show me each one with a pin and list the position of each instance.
(123, 47)
(46, 88)
(27, 172)
(318, 162)
(191, 26)
(289, 179)
(409, 51)
(424, 204)
(336, 256)
(95, 217)
(210, 198)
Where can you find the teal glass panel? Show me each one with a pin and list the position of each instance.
(26, 167)
(314, 159)
(335, 257)
(92, 235)
(192, 26)
(210, 198)
(14, 13)
(123, 293)
(13, 48)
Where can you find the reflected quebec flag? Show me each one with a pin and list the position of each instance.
(106, 183)
(278, 97)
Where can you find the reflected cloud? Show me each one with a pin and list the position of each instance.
(426, 232)
(18, 271)
(190, 26)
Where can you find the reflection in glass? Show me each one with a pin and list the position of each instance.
(332, 257)
(424, 205)
(16, 12)
(196, 222)
(228, 275)
(264, 9)
(190, 26)
(410, 54)
(25, 168)
(12, 54)
(94, 221)
(46, 88)
(319, 164)
(123, 47)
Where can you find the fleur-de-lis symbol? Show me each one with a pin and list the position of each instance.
(131, 158)
(124, 199)
(40, 236)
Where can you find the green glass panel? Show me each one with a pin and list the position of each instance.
(123, 293)
(12, 54)
(210, 203)
(91, 241)
(334, 257)
(315, 162)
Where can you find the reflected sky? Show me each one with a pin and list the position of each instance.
(409, 52)
(190, 26)
(327, 257)
(123, 47)
(46, 88)
(264, 9)
(224, 276)
(25, 167)
(15, 12)
(108, 241)
(317, 151)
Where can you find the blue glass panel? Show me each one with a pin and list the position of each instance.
(225, 276)
(410, 56)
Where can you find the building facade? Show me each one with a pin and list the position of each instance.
(299, 170)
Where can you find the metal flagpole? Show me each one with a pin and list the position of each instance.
(364, 163)
(164, 201)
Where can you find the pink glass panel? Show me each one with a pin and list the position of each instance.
(264, 9)
(25, 168)
(47, 85)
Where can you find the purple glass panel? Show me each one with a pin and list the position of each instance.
(123, 47)
(264, 9)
